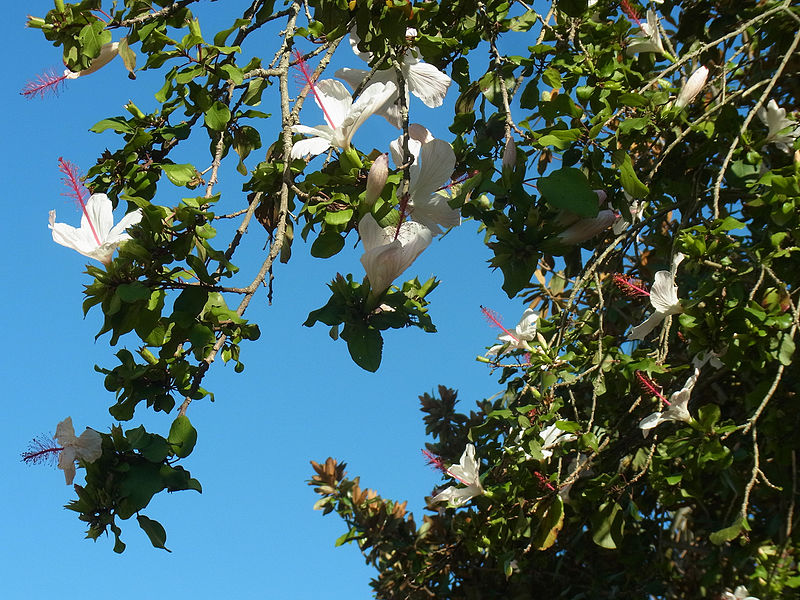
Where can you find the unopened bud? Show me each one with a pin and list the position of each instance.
(689, 91)
(509, 154)
(376, 180)
(586, 229)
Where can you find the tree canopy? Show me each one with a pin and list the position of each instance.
(634, 171)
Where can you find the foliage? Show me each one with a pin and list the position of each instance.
(554, 103)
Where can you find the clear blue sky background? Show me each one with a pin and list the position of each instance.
(252, 533)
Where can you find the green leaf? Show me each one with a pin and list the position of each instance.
(155, 531)
(182, 436)
(727, 534)
(118, 124)
(133, 292)
(179, 174)
(92, 37)
(365, 345)
(217, 116)
(568, 189)
(607, 526)
(551, 520)
(630, 183)
(786, 350)
(327, 244)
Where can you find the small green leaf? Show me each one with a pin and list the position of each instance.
(607, 526)
(630, 183)
(179, 174)
(365, 345)
(568, 189)
(155, 531)
(217, 116)
(727, 534)
(182, 436)
(327, 244)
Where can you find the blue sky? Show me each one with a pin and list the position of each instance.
(252, 533)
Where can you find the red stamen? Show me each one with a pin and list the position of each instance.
(76, 190)
(630, 286)
(45, 83)
(629, 10)
(436, 462)
(494, 319)
(308, 81)
(650, 387)
(42, 449)
(544, 481)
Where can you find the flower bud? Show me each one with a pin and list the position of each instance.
(586, 229)
(692, 88)
(378, 173)
(509, 154)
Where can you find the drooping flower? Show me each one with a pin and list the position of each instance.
(97, 237)
(636, 208)
(524, 332)
(678, 407)
(782, 131)
(87, 447)
(343, 116)
(51, 81)
(388, 251)
(552, 436)
(425, 81)
(651, 41)
(574, 465)
(740, 593)
(509, 160)
(663, 298)
(466, 473)
(692, 87)
(432, 167)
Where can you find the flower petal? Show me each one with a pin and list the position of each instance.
(65, 432)
(312, 146)
(664, 294)
(641, 331)
(100, 211)
(336, 99)
(118, 232)
(426, 82)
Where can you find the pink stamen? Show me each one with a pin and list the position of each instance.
(308, 80)
(650, 387)
(632, 13)
(45, 83)
(544, 481)
(436, 462)
(76, 190)
(630, 286)
(494, 319)
(41, 449)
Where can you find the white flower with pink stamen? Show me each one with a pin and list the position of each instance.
(465, 472)
(663, 297)
(342, 116)
(51, 81)
(524, 332)
(97, 237)
(678, 404)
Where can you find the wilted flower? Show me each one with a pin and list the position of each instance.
(524, 332)
(651, 42)
(388, 251)
(692, 87)
(97, 236)
(343, 116)
(107, 54)
(465, 472)
(87, 447)
(509, 154)
(574, 465)
(586, 229)
(376, 180)
(431, 169)
(775, 119)
(663, 297)
(740, 593)
(678, 407)
(425, 81)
